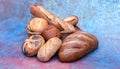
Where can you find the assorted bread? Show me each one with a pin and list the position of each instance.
(50, 35)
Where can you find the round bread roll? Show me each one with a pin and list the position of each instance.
(77, 45)
(37, 25)
(51, 31)
(32, 44)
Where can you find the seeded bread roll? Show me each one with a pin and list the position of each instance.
(51, 31)
(32, 44)
(77, 45)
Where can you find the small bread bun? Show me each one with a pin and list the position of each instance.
(51, 31)
(37, 24)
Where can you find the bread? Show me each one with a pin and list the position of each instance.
(39, 11)
(71, 19)
(77, 45)
(36, 25)
(32, 44)
(51, 31)
(49, 49)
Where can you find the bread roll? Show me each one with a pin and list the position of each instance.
(77, 45)
(32, 44)
(51, 31)
(71, 19)
(36, 25)
(49, 49)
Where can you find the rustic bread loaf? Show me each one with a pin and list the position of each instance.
(77, 45)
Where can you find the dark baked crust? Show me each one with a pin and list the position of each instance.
(77, 45)
(51, 31)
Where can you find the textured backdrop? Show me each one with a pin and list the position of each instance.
(99, 17)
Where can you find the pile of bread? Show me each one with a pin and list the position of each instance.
(50, 35)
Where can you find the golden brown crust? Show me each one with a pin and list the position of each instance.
(71, 20)
(49, 49)
(36, 25)
(39, 11)
(77, 45)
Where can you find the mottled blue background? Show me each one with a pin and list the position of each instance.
(98, 17)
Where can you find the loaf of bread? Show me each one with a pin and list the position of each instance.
(49, 49)
(77, 45)
(51, 31)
